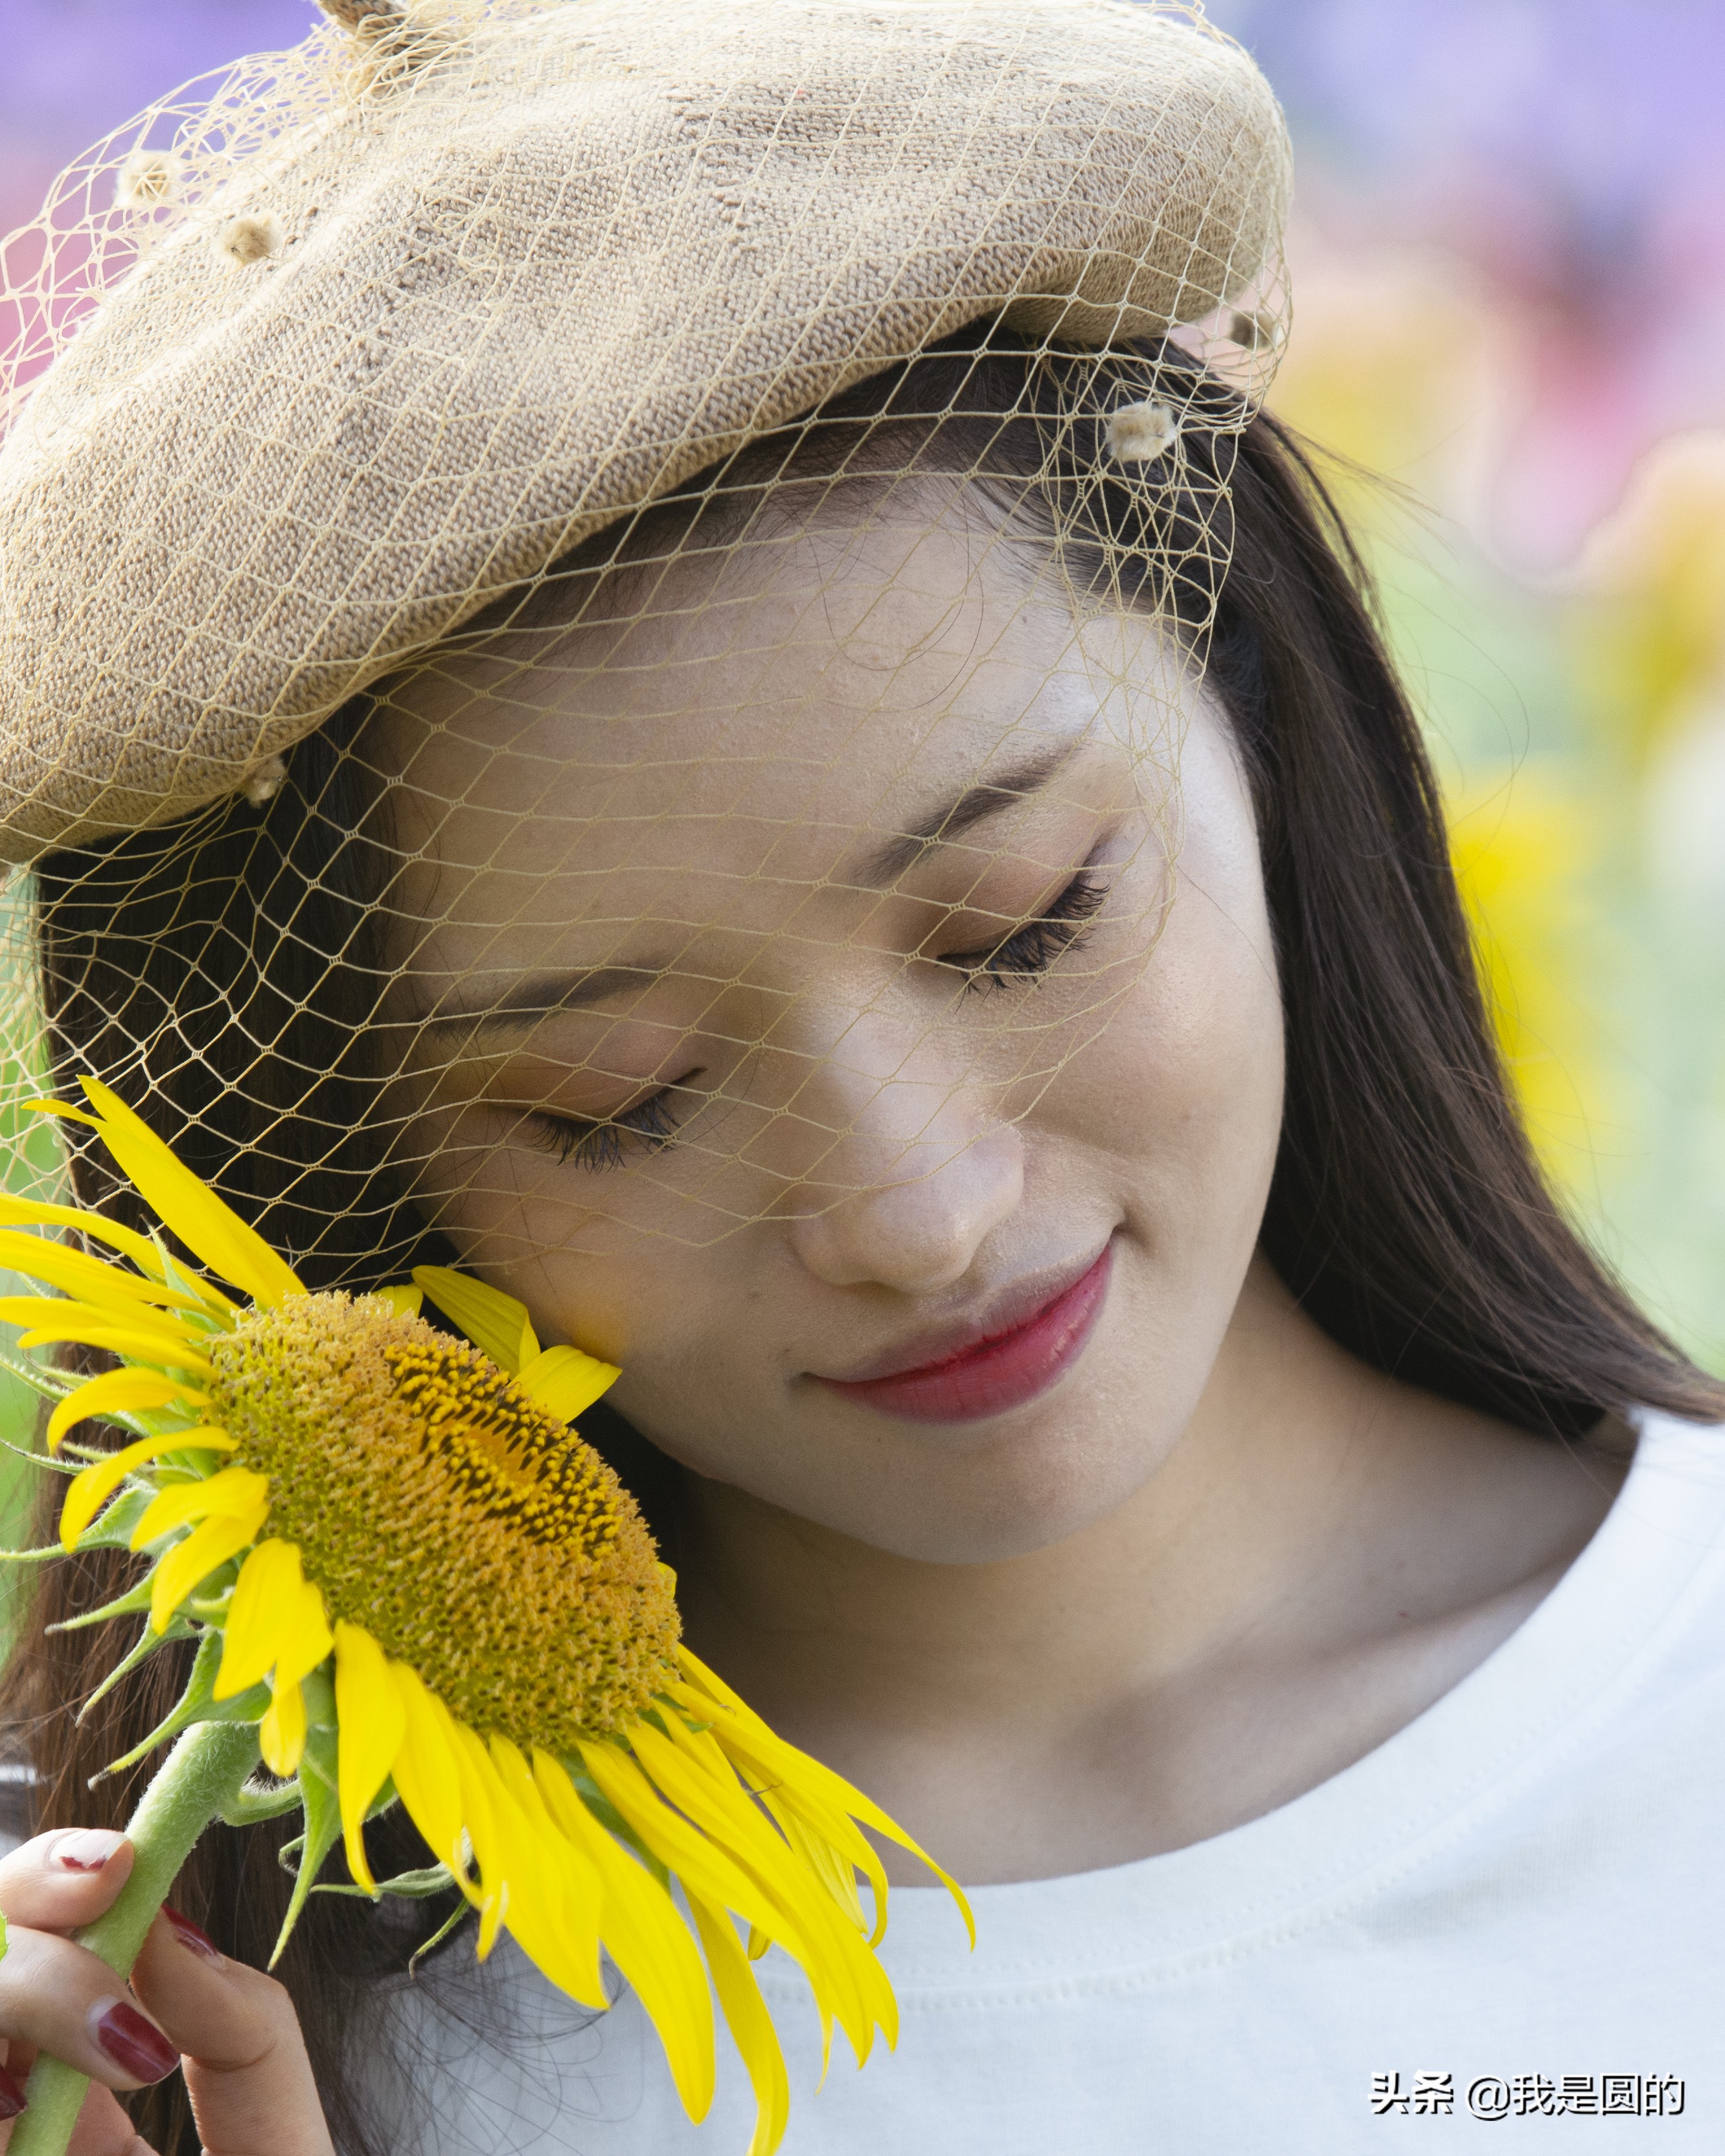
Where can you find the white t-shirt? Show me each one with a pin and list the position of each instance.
(1503, 1928)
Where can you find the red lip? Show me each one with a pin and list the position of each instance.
(995, 1375)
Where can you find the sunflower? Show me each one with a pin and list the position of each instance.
(410, 1581)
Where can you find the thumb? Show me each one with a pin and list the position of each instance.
(244, 2058)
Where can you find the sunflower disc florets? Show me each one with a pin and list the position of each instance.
(434, 1503)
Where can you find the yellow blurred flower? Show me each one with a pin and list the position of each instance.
(1525, 850)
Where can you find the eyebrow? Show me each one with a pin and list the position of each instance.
(962, 811)
(542, 994)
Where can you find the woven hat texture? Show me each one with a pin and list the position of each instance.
(451, 296)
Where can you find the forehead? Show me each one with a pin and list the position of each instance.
(766, 713)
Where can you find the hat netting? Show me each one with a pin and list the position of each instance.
(660, 843)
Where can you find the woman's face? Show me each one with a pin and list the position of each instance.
(808, 1015)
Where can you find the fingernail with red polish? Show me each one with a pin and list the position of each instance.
(190, 1936)
(89, 1850)
(12, 2096)
(136, 2046)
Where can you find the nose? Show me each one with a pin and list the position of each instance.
(920, 1174)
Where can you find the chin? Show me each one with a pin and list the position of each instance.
(1004, 1493)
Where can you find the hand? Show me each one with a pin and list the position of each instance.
(233, 2030)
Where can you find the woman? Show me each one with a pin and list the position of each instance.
(931, 945)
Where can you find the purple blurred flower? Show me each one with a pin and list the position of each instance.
(1573, 151)
(76, 68)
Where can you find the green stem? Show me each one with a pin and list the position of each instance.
(202, 1772)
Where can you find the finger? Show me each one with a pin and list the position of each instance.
(246, 2067)
(67, 2002)
(61, 1880)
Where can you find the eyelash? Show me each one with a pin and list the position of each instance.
(1030, 951)
(1025, 955)
(652, 1122)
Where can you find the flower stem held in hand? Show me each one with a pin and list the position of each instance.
(204, 1771)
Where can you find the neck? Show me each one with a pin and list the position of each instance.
(1319, 1550)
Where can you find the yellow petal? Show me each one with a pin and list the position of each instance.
(847, 1981)
(555, 1897)
(233, 1493)
(266, 1600)
(426, 1773)
(743, 1730)
(564, 1381)
(696, 1858)
(281, 1734)
(92, 1280)
(119, 1392)
(750, 2024)
(517, 1865)
(19, 1212)
(60, 1109)
(497, 1325)
(723, 1850)
(307, 1642)
(854, 1982)
(811, 1806)
(91, 1489)
(40, 1312)
(405, 1301)
(188, 1206)
(834, 1855)
(825, 1836)
(135, 1346)
(479, 1796)
(193, 1560)
(372, 1723)
(647, 1938)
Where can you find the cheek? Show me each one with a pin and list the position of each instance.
(695, 1331)
(1181, 1091)
(634, 1305)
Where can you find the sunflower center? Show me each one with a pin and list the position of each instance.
(513, 1461)
(471, 1533)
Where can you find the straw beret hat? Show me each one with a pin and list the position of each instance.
(417, 308)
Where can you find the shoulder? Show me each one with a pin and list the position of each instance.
(1624, 1664)
(1664, 1540)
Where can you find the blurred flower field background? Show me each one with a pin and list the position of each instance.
(1509, 268)
(1508, 265)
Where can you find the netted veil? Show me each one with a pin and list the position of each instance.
(532, 531)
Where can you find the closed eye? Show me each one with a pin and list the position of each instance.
(582, 1142)
(1029, 951)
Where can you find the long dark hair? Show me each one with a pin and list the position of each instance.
(219, 974)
